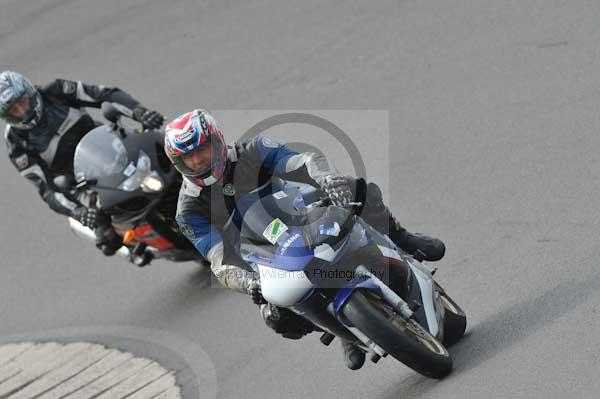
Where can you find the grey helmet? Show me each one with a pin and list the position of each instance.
(13, 86)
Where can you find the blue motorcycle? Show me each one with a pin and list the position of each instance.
(326, 264)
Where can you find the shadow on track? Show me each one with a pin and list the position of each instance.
(177, 299)
(504, 329)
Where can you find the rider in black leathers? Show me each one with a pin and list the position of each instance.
(44, 126)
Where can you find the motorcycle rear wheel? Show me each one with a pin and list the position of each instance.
(405, 340)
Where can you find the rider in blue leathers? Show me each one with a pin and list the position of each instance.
(215, 174)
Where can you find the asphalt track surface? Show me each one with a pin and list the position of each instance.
(494, 146)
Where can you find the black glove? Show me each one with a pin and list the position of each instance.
(255, 293)
(107, 240)
(148, 118)
(87, 216)
(338, 189)
(285, 322)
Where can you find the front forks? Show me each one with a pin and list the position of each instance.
(391, 298)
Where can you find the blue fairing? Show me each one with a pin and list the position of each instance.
(252, 258)
(294, 260)
(292, 256)
(343, 294)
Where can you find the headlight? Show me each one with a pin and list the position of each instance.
(142, 176)
(153, 183)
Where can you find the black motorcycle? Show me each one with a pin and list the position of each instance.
(125, 173)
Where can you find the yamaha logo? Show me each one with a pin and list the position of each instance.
(289, 241)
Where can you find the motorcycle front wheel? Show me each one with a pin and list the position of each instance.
(455, 319)
(405, 340)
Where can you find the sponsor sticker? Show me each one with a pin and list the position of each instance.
(275, 230)
(129, 170)
(333, 231)
(203, 124)
(279, 195)
(184, 137)
(288, 242)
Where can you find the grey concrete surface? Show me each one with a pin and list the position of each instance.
(495, 148)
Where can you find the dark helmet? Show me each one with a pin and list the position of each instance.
(14, 90)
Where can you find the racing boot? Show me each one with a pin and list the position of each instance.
(354, 357)
(285, 322)
(433, 248)
(378, 215)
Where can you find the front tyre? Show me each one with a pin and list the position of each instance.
(455, 319)
(406, 341)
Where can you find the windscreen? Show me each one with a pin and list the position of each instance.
(101, 155)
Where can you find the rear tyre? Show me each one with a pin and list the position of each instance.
(406, 341)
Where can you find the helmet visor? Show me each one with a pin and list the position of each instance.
(22, 111)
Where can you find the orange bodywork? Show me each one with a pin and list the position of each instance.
(146, 235)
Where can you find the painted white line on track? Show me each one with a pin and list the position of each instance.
(26, 359)
(171, 393)
(10, 351)
(155, 388)
(113, 359)
(112, 378)
(80, 371)
(73, 367)
(147, 375)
